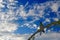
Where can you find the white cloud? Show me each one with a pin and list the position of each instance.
(31, 12)
(10, 5)
(58, 14)
(5, 26)
(34, 25)
(40, 10)
(54, 7)
(11, 0)
(30, 25)
(9, 36)
(8, 16)
(1, 5)
(55, 19)
(47, 20)
(1, 1)
(48, 36)
(26, 4)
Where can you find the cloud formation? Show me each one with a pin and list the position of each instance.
(48, 36)
(7, 26)
(11, 36)
(38, 11)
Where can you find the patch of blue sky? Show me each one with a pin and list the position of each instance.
(20, 21)
(24, 30)
(37, 22)
(30, 24)
(55, 28)
(30, 18)
(59, 9)
(53, 14)
(22, 2)
(47, 9)
(50, 16)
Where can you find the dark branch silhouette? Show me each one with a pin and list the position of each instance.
(53, 23)
(42, 28)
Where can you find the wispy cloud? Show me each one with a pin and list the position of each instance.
(37, 11)
(7, 26)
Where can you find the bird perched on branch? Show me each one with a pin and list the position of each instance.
(41, 28)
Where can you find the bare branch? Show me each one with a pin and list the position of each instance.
(42, 28)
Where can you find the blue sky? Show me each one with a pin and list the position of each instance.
(21, 18)
(37, 22)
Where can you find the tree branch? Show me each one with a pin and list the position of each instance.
(42, 28)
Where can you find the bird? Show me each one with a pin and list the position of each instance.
(41, 28)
